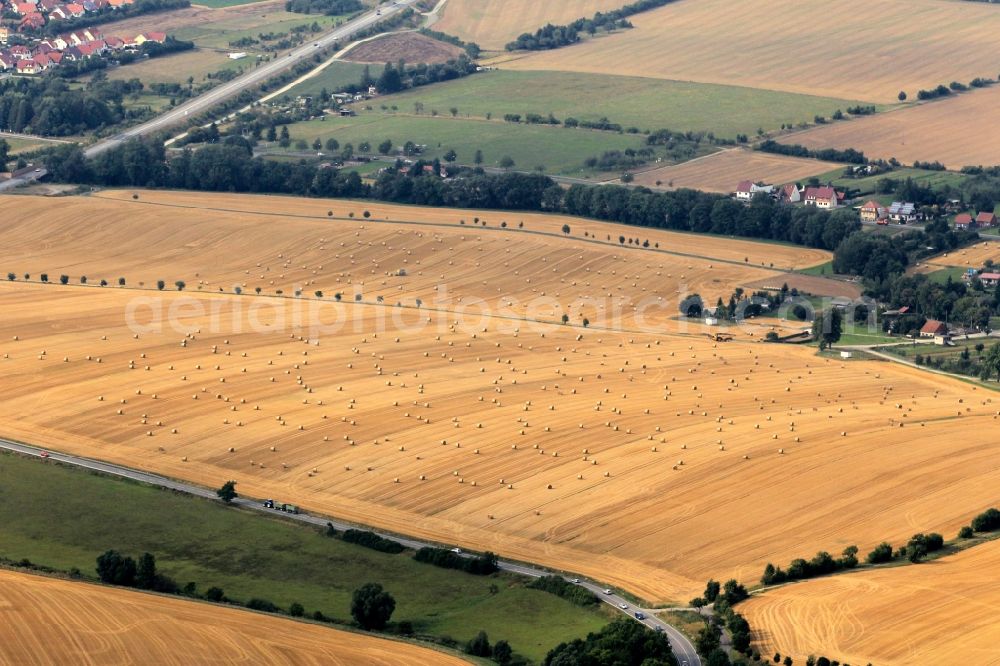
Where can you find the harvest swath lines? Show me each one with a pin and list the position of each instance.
(722, 171)
(970, 257)
(897, 616)
(843, 50)
(55, 621)
(958, 132)
(674, 476)
(493, 23)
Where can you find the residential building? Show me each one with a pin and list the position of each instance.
(873, 212)
(790, 193)
(4, 34)
(825, 197)
(902, 212)
(746, 190)
(27, 67)
(985, 220)
(965, 222)
(989, 279)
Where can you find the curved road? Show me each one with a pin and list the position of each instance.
(682, 647)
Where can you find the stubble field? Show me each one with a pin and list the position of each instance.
(970, 257)
(843, 50)
(722, 171)
(493, 23)
(606, 442)
(956, 132)
(52, 621)
(941, 612)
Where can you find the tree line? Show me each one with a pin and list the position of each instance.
(561, 587)
(327, 7)
(554, 36)
(49, 106)
(848, 155)
(479, 565)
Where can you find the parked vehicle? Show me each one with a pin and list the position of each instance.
(289, 508)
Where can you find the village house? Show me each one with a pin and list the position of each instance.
(873, 212)
(27, 67)
(32, 21)
(985, 220)
(934, 329)
(790, 194)
(4, 34)
(902, 212)
(824, 197)
(746, 189)
(989, 279)
(965, 222)
(7, 60)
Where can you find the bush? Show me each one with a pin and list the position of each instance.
(561, 587)
(481, 565)
(215, 594)
(987, 521)
(296, 609)
(882, 553)
(116, 569)
(966, 533)
(373, 541)
(479, 646)
(371, 606)
(262, 605)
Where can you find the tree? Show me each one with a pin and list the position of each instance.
(332, 144)
(371, 606)
(296, 609)
(565, 319)
(63, 279)
(45, 277)
(454, 111)
(693, 307)
(506, 162)
(83, 279)
(160, 284)
(116, 569)
(827, 327)
(479, 646)
(215, 594)
(451, 155)
(272, 134)
(708, 639)
(180, 284)
(227, 493)
(145, 577)
(565, 229)
(121, 282)
(385, 147)
(317, 144)
(502, 654)
(698, 603)
(478, 158)
(4, 154)
(901, 96)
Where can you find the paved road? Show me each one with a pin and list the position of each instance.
(683, 649)
(253, 77)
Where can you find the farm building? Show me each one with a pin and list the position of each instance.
(790, 193)
(986, 220)
(965, 222)
(934, 329)
(873, 212)
(989, 279)
(903, 212)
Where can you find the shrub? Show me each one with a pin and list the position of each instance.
(63, 279)
(296, 609)
(215, 594)
(481, 565)
(987, 521)
(881, 553)
(966, 533)
(373, 541)
(262, 605)
(561, 587)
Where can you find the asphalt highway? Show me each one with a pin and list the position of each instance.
(682, 647)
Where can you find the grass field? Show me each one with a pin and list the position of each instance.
(248, 556)
(841, 51)
(337, 75)
(956, 131)
(557, 149)
(868, 184)
(722, 172)
(53, 621)
(410, 47)
(607, 505)
(177, 67)
(493, 23)
(22, 145)
(895, 616)
(646, 103)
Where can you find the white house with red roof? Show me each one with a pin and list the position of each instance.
(986, 219)
(873, 211)
(824, 197)
(964, 222)
(933, 329)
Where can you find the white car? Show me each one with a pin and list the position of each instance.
(607, 591)
(575, 581)
(457, 551)
(623, 606)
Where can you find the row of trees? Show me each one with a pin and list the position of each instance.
(561, 587)
(480, 565)
(620, 643)
(849, 155)
(328, 7)
(555, 36)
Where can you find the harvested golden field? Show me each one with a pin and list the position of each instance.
(973, 256)
(195, 16)
(426, 254)
(855, 49)
(650, 461)
(493, 23)
(410, 47)
(54, 621)
(811, 284)
(940, 612)
(956, 132)
(722, 171)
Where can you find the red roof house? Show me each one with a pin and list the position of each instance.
(964, 221)
(933, 328)
(986, 220)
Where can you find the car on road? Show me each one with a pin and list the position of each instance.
(268, 504)
(457, 551)
(316, 45)
(575, 581)
(37, 170)
(623, 606)
(43, 454)
(607, 591)
(658, 629)
(640, 616)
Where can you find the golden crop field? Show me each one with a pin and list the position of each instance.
(722, 171)
(857, 49)
(969, 257)
(287, 243)
(56, 621)
(493, 23)
(941, 612)
(956, 132)
(651, 461)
